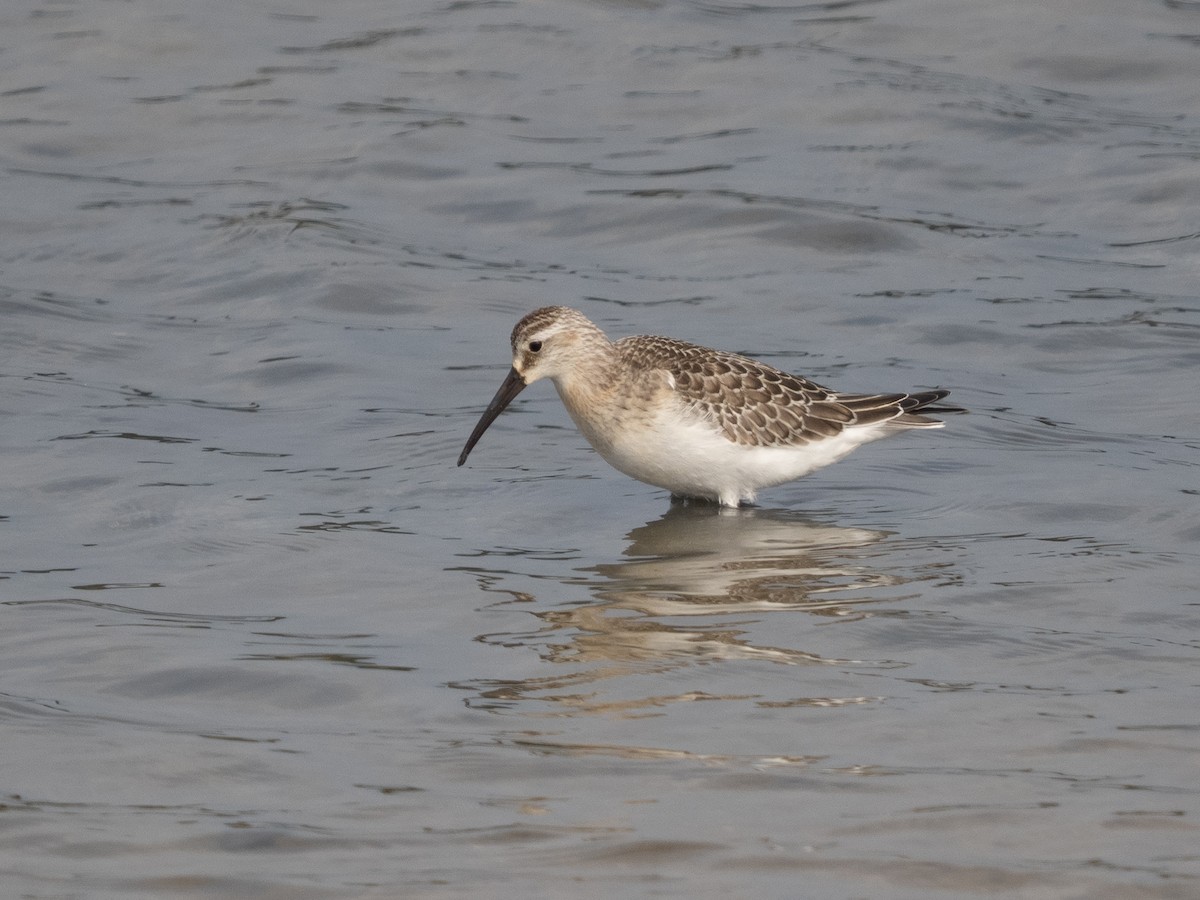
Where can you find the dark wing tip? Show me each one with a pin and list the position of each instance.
(925, 399)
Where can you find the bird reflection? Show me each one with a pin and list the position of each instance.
(692, 561)
(692, 587)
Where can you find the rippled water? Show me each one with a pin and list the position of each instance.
(260, 637)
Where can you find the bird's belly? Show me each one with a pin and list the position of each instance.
(695, 460)
(663, 443)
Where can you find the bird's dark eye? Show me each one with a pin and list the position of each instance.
(535, 346)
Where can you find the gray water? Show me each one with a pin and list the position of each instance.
(261, 637)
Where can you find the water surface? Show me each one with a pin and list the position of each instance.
(262, 638)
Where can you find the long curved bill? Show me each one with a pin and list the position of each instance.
(513, 385)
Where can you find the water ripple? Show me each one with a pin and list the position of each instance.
(150, 615)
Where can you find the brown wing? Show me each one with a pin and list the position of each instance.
(752, 403)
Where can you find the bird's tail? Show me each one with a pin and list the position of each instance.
(898, 410)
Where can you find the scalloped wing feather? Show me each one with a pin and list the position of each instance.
(757, 405)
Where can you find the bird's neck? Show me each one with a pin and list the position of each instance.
(588, 389)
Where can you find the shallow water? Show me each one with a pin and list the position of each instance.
(262, 638)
